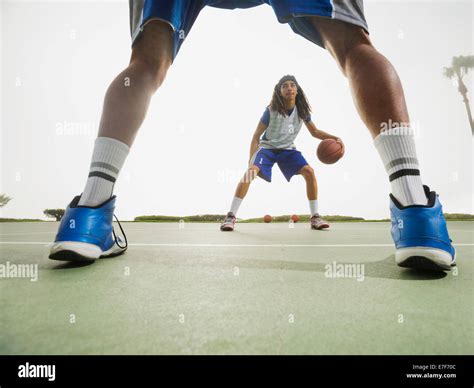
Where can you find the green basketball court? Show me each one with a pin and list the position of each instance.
(263, 289)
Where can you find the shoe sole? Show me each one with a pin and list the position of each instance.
(425, 258)
(321, 227)
(81, 252)
(227, 228)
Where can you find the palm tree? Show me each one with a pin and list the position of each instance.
(459, 68)
(4, 200)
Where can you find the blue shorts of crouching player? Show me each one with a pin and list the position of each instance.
(290, 162)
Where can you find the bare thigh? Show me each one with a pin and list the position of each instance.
(340, 37)
(154, 46)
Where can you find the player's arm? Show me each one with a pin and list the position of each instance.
(321, 135)
(317, 133)
(256, 137)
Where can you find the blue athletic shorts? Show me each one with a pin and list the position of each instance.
(289, 161)
(181, 14)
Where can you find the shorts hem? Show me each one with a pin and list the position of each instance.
(343, 17)
(296, 173)
(264, 177)
(140, 28)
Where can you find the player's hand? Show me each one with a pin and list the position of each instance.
(338, 140)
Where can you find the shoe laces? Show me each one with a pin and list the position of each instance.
(118, 238)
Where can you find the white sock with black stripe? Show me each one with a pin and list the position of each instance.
(313, 207)
(396, 147)
(107, 160)
(236, 201)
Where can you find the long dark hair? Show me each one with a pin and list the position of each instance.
(302, 104)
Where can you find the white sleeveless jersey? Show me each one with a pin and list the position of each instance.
(281, 131)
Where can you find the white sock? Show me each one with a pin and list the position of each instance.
(235, 205)
(396, 147)
(107, 160)
(313, 207)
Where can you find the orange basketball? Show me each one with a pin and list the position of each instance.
(267, 218)
(295, 218)
(330, 151)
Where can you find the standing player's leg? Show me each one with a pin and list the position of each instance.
(86, 232)
(312, 193)
(376, 88)
(125, 105)
(380, 101)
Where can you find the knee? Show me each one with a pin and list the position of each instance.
(308, 172)
(250, 174)
(152, 68)
(253, 171)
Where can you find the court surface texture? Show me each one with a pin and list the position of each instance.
(271, 288)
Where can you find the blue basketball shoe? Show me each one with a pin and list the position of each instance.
(421, 235)
(86, 233)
